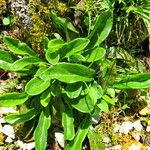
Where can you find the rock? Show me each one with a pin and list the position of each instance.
(106, 140)
(60, 139)
(148, 147)
(116, 128)
(2, 147)
(133, 145)
(25, 146)
(116, 147)
(126, 127)
(5, 110)
(9, 131)
(145, 111)
(95, 119)
(148, 129)
(2, 120)
(29, 146)
(136, 135)
(20, 144)
(8, 140)
(137, 125)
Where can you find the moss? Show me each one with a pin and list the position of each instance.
(3, 7)
(41, 24)
(62, 8)
(41, 21)
(36, 25)
(2, 138)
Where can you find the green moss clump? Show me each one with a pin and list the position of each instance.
(41, 24)
(41, 21)
(37, 22)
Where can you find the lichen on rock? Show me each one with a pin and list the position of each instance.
(2, 7)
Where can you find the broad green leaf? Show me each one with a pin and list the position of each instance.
(77, 58)
(58, 108)
(83, 104)
(94, 54)
(92, 92)
(36, 86)
(95, 140)
(5, 65)
(111, 92)
(108, 99)
(52, 58)
(45, 43)
(68, 73)
(76, 143)
(88, 102)
(62, 23)
(68, 124)
(23, 62)
(96, 111)
(71, 27)
(101, 29)
(5, 56)
(41, 70)
(30, 70)
(135, 77)
(52, 54)
(41, 131)
(55, 44)
(132, 85)
(45, 98)
(6, 60)
(103, 106)
(73, 90)
(98, 90)
(56, 88)
(105, 66)
(12, 99)
(73, 47)
(21, 118)
(17, 47)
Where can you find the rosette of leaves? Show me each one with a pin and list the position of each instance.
(63, 81)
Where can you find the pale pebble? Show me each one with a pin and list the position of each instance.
(106, 139)
(116, 128)
(137, 125)
(148, 129)
(8, 140)
(60, 139)
(9, 131)
(126, 127)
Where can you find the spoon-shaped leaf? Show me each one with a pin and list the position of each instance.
(12, 99)
(36, 86)
(20, 118)
(40, 134)
(17, 47)
(68, 73)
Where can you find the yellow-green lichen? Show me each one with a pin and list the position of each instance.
(37, 24)
(3, 7)
(41, 24)
(41, 21)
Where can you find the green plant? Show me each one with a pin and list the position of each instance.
(7, 20)
(130, 24)
(131, 21)
(66, 82)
